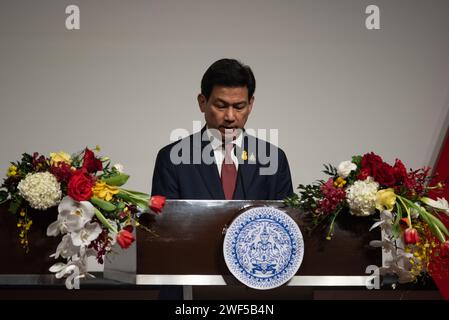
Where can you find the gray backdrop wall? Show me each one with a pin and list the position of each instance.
(132, 72)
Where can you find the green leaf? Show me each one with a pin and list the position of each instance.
(396, 229)
(425, 216)
(125, 196)
(121, 206)
(104, 221)
(434, 228)
(141, 203)
(357, 160)
(136, 193)
(3, 196)
(398, 217)
(438, 223)
(116, 180)
(106, 206)
(15, 205)
(292, 201)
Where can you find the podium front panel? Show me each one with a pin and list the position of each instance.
(189, 237)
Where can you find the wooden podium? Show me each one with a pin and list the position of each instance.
(188, 250)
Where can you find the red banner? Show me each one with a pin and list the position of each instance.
(439, 268)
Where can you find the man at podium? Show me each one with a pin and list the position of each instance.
(223, 161)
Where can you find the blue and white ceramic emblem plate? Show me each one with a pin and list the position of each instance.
(263, 248)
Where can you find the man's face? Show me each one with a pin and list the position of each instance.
(227, 108)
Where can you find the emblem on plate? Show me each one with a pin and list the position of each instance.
(263, 247)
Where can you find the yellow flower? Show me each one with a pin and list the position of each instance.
(103, 191)
(339, 182)
(12, 171)
(244, 155)
(385, 199)
(60, 156)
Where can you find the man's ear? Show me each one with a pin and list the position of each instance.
(202, 102)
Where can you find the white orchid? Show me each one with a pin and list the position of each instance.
(439, 204)
(86, 235)
(75, 268)
(385, 222)
(71, 270)
(119, 167)
(66, 248)
(112, 233)
(74, 220)
(72, 217)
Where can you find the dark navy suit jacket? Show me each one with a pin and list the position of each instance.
(202, 181)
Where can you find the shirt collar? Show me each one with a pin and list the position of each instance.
(217, 142)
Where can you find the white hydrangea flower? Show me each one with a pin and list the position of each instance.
(361, 197)
(345, 168)
(41, 190)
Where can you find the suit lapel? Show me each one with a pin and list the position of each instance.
(209, 173)
(247, 169)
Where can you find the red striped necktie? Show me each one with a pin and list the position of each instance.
(228, 173)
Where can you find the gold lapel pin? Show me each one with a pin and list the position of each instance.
(244, 155)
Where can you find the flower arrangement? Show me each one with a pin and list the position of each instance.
(412, 223)
(94, 210)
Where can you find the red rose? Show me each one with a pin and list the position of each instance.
(125, 238)
(90, 163)
(400, 173)
(156, 203)
(384, 174)
(364, 173)
(411, 236)
(369, 162)
(80, 186)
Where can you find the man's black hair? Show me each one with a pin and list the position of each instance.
(228, 73)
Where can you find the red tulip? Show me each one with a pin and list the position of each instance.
(411, 236)
(125, 238)
(444, 250)
(405, 222)
(156, 203)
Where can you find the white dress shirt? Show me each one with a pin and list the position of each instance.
(219, 152)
